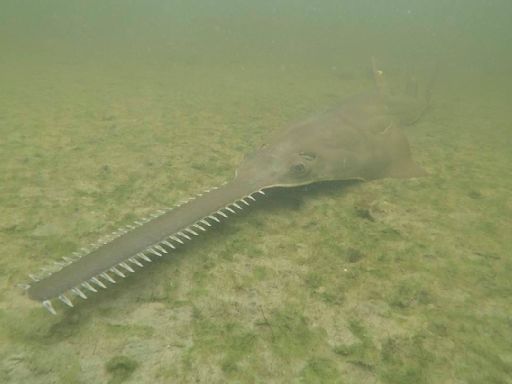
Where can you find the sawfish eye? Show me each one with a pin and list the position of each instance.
(298, 168)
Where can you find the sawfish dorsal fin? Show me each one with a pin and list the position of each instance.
(411, 88)
(380, 80)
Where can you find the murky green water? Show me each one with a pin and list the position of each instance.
(112, 110)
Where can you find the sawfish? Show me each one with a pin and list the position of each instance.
(361, 139)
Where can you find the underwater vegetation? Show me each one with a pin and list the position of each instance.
(107, 116)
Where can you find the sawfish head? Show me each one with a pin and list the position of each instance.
(331, 147)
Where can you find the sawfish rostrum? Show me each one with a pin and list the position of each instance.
(361, 139)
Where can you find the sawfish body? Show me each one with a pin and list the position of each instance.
(361, 139)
